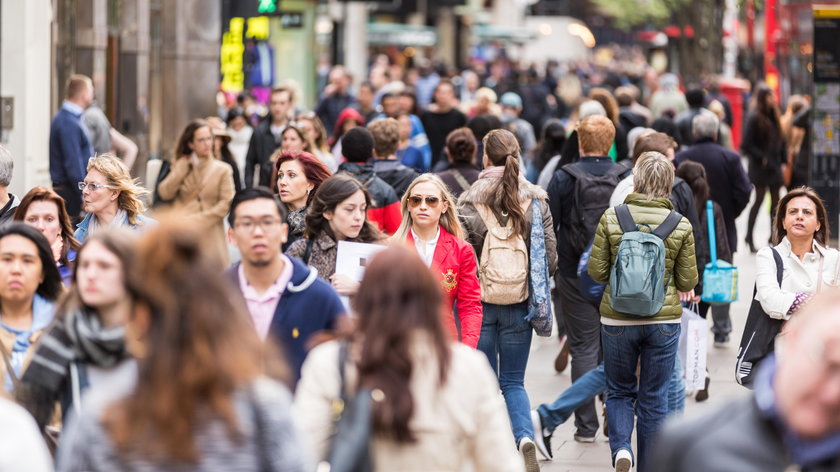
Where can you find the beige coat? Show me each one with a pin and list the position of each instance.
(464, 422)
(204, 193)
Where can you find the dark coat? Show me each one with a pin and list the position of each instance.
(468, 171)
(729, 185)
(766, 153)
(395, 174)
(385, 207)
(260, 149)
(735, 437)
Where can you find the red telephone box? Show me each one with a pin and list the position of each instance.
(734, 90)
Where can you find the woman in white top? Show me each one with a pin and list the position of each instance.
(800, 235)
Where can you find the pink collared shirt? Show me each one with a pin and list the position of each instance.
(262, 306)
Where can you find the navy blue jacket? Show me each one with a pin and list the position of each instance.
(307, 306)
(70, 149)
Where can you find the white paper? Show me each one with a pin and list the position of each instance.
(351, 260)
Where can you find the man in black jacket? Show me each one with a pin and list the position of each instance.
(386, 139)
(790, 422)
(267, 136)
(729, 185)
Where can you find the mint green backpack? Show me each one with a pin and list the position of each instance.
(637, 279)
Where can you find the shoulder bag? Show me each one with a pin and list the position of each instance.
(353, 420)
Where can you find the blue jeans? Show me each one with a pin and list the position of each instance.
(654, 349)
(581, 391)
(506, 341)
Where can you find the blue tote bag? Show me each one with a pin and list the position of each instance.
(720, 278)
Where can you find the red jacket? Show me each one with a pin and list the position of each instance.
(454, 264)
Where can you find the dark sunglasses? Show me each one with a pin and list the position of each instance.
(415, 201)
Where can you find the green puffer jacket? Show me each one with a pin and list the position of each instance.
(680, 263)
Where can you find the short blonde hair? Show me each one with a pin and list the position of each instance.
(596, 135)
(119, 180)
(653, 175)
(386, 136)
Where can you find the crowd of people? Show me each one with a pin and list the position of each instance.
(202, 322)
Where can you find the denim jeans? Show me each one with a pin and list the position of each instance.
(506, 341)
(581, 391)
(654, 348)
(594, 383)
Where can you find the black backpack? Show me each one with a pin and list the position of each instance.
(591, 197)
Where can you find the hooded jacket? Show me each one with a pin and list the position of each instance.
(385, 208)
(680, 262)
(308, 305)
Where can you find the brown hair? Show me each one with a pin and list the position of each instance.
(284, 89)
(386, 137)
(397, 281)
(38, 194)
(779, 232)
(307, 144)
(502, 149)
(694, 175)
(329, 195)
(461, 145)
(596, 135)
(182, 148)
(606, 99)
(201, 348)
(658, 142)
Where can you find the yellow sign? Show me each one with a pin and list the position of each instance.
(258, 28)
(230, 57)
(826, 11)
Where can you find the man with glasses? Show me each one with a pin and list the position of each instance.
(285, 298)
(790, 422)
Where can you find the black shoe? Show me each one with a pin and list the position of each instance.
(721, 341)
(749, 242)
(703, 395)
(542, 437)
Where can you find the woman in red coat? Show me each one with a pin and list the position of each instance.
(430, 224)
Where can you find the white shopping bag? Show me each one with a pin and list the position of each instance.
(694, 348)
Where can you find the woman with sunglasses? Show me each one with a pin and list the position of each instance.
(431, 225)
(110, 197)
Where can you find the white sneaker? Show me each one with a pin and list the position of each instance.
(529, 454)
(623, 461)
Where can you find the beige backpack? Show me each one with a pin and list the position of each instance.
(503, 270)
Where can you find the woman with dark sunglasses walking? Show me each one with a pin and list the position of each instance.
(430, 224)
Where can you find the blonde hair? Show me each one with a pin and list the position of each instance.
(653, 175)
(119, 180)
(449, 220)
(596, 135)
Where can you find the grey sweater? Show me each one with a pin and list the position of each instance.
(270, 442)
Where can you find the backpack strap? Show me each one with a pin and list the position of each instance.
(617, 170)
(487, 216)
(668, 226)
(459, 178)
(625, 219)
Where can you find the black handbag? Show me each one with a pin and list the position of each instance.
(759, 335)
(350, 447)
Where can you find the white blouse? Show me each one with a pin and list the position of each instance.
(798, 276)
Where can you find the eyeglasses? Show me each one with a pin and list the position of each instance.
(415, 201)
(91, 186)
(249, 226)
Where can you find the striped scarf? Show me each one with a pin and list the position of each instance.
(78, 336)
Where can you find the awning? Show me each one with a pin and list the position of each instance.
(398, 34)
(517, 35)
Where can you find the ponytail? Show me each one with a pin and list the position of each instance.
(502, 149)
